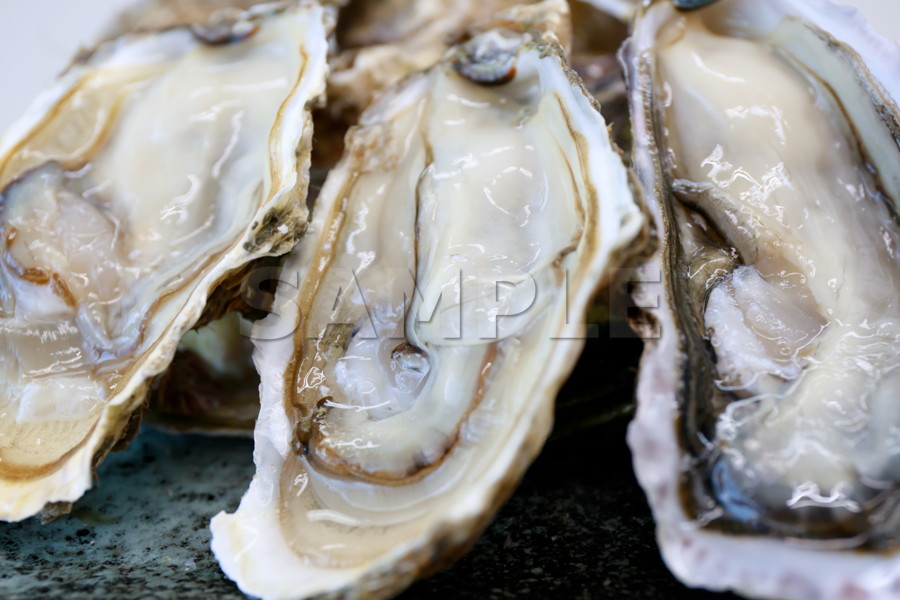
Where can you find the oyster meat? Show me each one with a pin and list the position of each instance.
(767, 430)
(158, 167)
(424, 324)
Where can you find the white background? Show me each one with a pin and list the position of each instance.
(38, 38)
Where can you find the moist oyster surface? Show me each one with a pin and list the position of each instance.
(398, 409)
(156, 167)
(781, 325)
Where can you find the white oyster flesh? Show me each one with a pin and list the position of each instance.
(776, 128)
(158, 166)
(425, 323)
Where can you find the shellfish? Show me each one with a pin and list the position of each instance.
(424, 324)
(766, 435)
(158, 167)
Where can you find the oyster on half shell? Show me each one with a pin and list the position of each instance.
(767, 430)
(158, 167)
(424, 324)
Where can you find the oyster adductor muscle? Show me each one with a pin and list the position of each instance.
(159, 165)
(404, 391)
(380, 42)
(767, 430)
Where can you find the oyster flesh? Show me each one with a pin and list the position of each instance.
(158, 167)
(423, 326)
(767, 429)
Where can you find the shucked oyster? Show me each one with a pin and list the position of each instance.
(158, 167)
(424, 324)
(767, 430)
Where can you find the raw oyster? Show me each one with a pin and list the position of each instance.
(156, 169)
(424, 324)
(767, 429)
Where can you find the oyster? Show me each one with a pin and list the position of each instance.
(425, 323)
(157, 169)
(767, 430)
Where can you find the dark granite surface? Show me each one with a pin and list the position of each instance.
(578, 527)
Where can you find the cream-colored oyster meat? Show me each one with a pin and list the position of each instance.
(777, 472)
(159, 165)
(423, 326)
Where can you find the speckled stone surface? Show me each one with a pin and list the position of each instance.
(577, 528)
(142, 532)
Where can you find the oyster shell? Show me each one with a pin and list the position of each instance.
(382, 41)
(400, 403)
(157, 168)
(766, 433)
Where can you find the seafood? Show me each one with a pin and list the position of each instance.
(423, 326)
(157, 169)
(766, 432)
